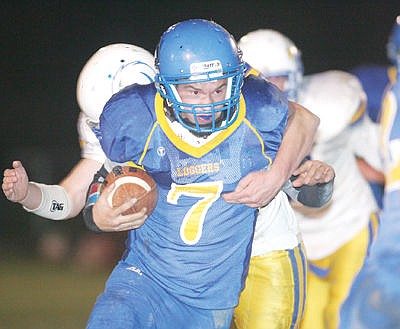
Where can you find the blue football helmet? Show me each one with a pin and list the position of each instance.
(393, 45)
(195, 51)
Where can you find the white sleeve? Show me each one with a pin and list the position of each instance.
(365, 139)
(90, 145)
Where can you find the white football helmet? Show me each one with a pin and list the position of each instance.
(336, 97)
(274, 55)
(107, 71)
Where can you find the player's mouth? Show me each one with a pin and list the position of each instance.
(204, 118)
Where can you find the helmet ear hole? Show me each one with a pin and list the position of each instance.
(196, 51)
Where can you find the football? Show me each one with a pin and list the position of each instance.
(131, 182)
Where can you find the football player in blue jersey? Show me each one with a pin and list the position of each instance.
(375, 80)
(375, 296)
(111, 68)
(185, 267)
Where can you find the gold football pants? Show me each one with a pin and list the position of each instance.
(329, 279)
(274, 294)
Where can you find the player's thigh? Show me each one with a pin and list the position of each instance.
(127, 301)
(275, 291)
(317, 295)
(348, 262)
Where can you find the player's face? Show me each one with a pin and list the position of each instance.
(202, 93)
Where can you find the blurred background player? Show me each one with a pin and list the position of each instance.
(375, 79)
(108, 70)
(375, 295)
(336, 236)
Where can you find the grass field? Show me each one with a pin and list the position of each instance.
(37, 295)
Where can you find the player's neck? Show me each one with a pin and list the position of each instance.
(188, 137)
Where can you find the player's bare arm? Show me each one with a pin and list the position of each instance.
(77, 182)
(69, 195)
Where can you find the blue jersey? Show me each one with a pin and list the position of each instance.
(374, 79)
(194, 244)
(390, 142)
(376, 290)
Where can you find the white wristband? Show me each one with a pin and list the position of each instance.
(55, 203)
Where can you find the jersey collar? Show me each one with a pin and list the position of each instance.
(204, 148)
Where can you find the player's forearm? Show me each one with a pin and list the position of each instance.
(297, 141)
(93, 195)
(77, 183)
(33, 197)
(54, 202)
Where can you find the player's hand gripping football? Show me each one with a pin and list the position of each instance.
(15, 182)
(111, 219)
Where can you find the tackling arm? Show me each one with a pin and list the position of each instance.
(297, 141)
(259, 188)
(54, 202)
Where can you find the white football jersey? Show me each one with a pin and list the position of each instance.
(90, 145)
(277, 227)
(326, 229)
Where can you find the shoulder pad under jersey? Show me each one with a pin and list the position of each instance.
(336, 97)
(266, 106)
(126, 121)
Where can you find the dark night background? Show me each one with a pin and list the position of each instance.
(44, 44)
